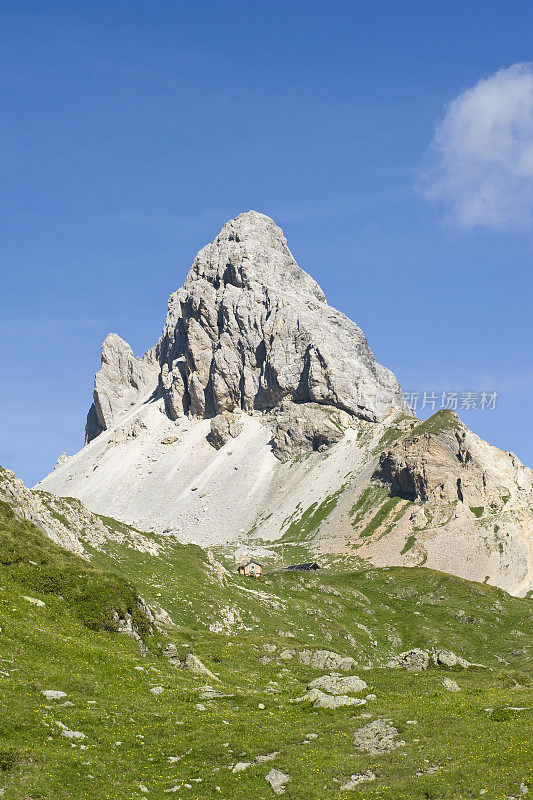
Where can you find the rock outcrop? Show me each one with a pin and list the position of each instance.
(66, 521)
(440, 460)
(302, 428)
(335, 684)
(121, 382)
(418, 659)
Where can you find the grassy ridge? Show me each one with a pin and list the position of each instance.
(40, 566)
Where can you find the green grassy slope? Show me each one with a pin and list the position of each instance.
(176, 744)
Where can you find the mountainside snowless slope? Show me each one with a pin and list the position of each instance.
(261, 415)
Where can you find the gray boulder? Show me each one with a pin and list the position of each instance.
(337, 685)
(445, 658)
(415, 659)
(224, 427)
(277, 780)
(53, 694)
(377, 737)
(326, 659)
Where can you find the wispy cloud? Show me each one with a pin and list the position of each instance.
(481, 156)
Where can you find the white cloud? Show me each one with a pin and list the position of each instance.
(481, 156)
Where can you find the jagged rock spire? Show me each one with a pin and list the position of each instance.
(248, 330)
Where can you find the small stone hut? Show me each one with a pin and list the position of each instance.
(251, 569)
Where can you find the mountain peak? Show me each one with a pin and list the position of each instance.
(251, 252)
(248, 330)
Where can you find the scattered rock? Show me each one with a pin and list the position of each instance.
(267, 757)
(68, 733)
(33, 600)
(377, 737)
(450, 685)
(208, 693)
(356, 780)
(191, 663)
(157, 690)
(277, 780)
(241, 766)
(286, 655)
(53, 694)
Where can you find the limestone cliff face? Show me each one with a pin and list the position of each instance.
(121, 382)
(248, 330)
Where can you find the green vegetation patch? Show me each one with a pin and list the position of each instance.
(477, 510)
(43, 567)
(409, 544)
(439, 422)
(380, 516)
(311, 519)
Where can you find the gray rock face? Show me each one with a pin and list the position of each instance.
(120, 383)
(250, 329)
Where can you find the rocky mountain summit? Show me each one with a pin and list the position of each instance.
(261, 418)
(248, 330)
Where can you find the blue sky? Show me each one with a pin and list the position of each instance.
(133, 130)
